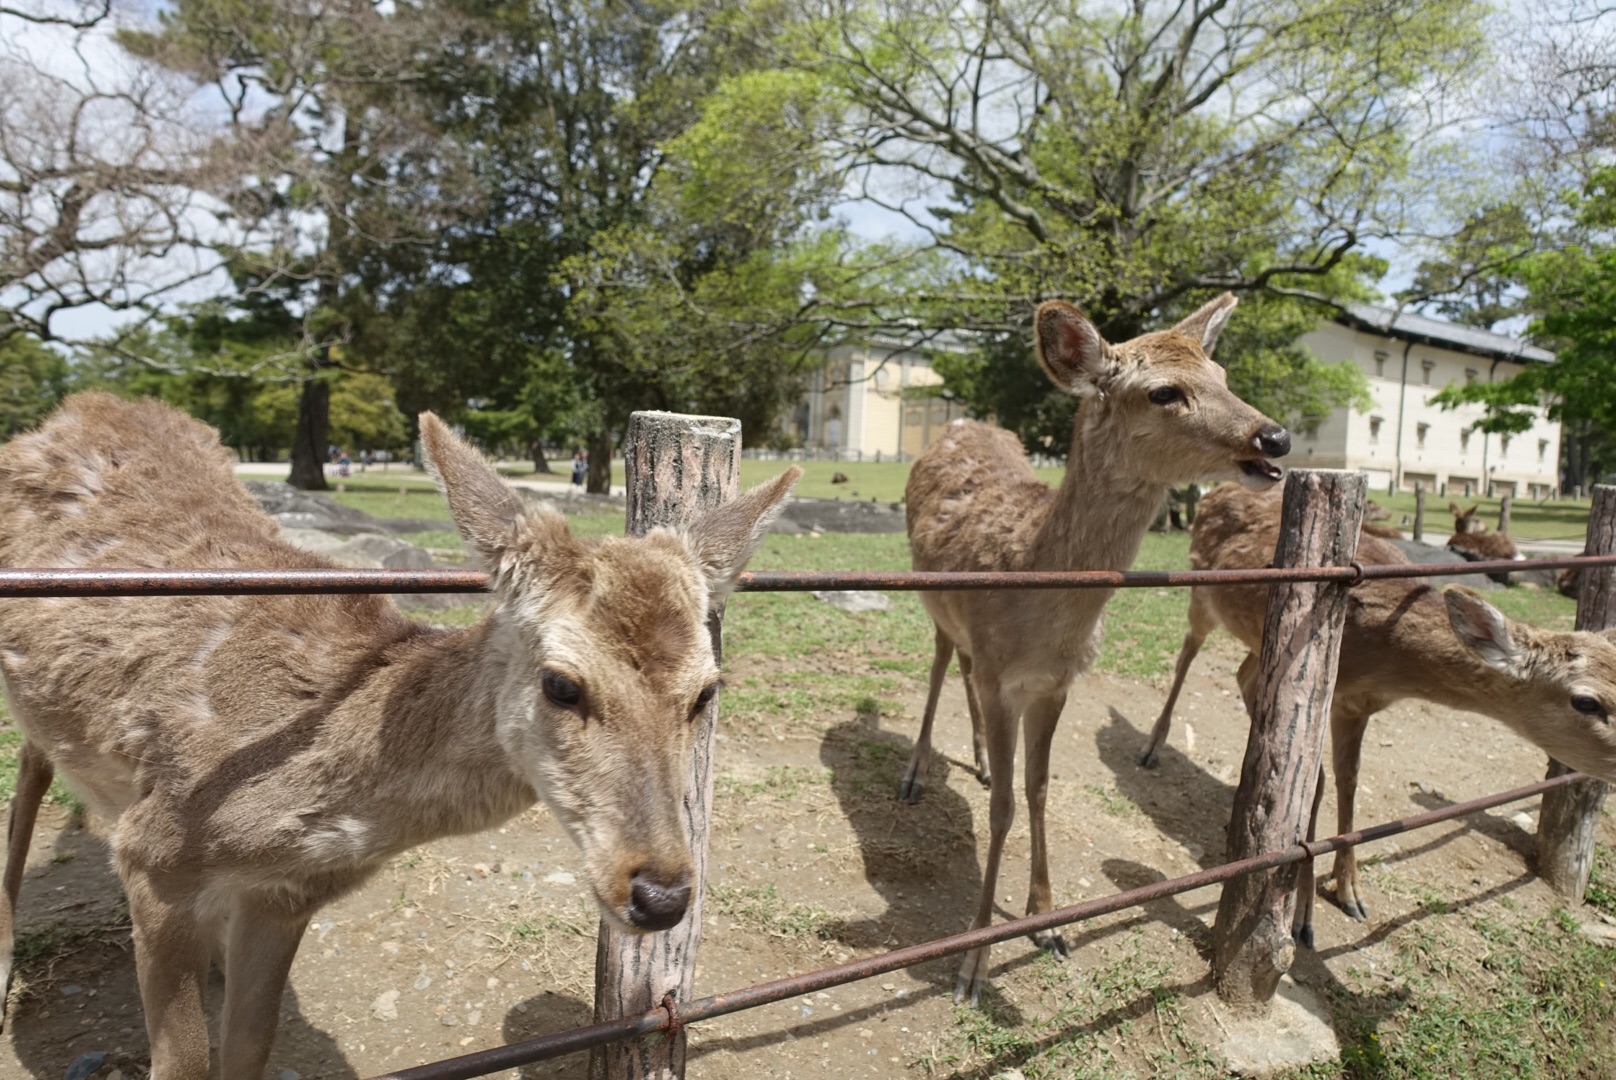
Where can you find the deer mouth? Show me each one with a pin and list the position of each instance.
(1260, 472)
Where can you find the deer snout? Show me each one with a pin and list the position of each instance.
(657, 904)
(1272, 441)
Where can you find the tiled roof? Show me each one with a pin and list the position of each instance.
(1423, 330)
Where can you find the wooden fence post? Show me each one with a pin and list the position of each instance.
(1251, 940)
(1505, 505)
(677, 466)
(1419, 511)
(1569, 819)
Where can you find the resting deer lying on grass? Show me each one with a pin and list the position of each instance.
(1155, 411)
(1403, 639)
(260, 756)
(1472, 540)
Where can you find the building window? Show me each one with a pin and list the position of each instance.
(1471, 375)
(1380, 364)
(1426, 367)
(1503, 446)
(1374, 429)
(1542, 451)
(1419, 435)
(1464, 440)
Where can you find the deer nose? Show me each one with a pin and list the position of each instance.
(657, 905)
(1272, 441)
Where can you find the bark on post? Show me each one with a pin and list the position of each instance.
(1419, 512)
(1251, 940)
(677, 466)
(1505, 504)
(1569, 819)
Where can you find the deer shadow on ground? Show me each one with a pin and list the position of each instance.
(920, 858)
(75, 963)
(1182, 800)
(546, 1013)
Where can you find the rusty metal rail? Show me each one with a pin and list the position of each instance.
(672, 1014)
(46, 582)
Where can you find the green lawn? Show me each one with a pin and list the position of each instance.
(1565, 519)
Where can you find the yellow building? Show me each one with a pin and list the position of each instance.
(873, 402)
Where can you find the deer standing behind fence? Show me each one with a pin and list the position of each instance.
(1154, 411)
(260, 756)
(1402, 639)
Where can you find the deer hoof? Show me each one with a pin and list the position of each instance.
(1052, 942)
(1148, 759)
(1303, 936)
(909, 791)
(1356, 909)
(985, 777)
(972, 976)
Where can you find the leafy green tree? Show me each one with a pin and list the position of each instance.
(1131, 158)
(1474, 281)
(1571, 291)
(33, 378)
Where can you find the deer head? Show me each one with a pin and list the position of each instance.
(1158, 402)
(1559, 689)
(607, 667)
(1466, 521)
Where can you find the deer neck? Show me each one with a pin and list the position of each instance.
(438, 727)
(1100, 513)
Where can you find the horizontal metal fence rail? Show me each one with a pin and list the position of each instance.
(47, 582)
(673, 1015)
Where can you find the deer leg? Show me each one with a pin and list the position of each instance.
(1201, 624)
(1347, 735)
(999, 727)
(258, 955)
(914, 777)
(171, 963)
(1302, 918)
(1039, 721)
(34, 772)
(979, 745)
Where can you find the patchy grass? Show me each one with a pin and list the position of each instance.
(1543, 608)
(761, 908)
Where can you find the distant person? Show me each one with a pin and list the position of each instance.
(580, 468)
(343, 464)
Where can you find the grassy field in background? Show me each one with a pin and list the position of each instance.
(1564, 519)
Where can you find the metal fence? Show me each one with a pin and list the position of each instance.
(673, 1015)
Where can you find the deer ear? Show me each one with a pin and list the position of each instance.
(724, 539)
(1482, 628)
(1071, 350)
(1453, 508)
(1207, 323)
(484, 508)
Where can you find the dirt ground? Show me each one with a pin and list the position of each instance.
(475, 941)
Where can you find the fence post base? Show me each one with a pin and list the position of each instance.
(676, 467)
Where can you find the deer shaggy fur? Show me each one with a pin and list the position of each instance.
(260, 756)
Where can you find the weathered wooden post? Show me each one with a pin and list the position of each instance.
(677, 466)
(1569, 819)
(1251, 940)
(1505, 506)
(1419, 511)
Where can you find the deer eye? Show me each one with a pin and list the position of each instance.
(703, 699)
(560, 690)
(1588, 706)
(1166, 395)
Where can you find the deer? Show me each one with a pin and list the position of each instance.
(1375, 515)
(1403, 639)
(258, 757)
(1152, 412)
(1472, 540)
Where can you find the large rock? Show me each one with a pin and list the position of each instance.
(839, 516)
(1425, 553)
(303, 510)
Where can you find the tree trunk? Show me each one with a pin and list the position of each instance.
(313, 430)
(535, 450)
(600, 463)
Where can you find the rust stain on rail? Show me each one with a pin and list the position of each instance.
(49, 582)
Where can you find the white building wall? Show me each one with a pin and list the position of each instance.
(1435, 446)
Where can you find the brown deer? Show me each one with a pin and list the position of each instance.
(260, 756)
(1375, 515)
(1153, 412)
(1472, 540)
(1403, 639)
